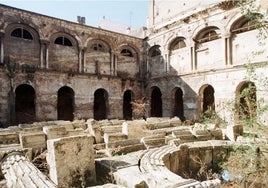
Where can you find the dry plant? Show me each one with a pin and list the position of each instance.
(139, 108)
(247, 167)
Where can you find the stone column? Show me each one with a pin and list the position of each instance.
(71, 161)
(44, 53)
(193, 57)
(19, 172)
(81, 53)
(115, 64)
(111, 63)
(227, 49)
(167, 61)
(2, 47)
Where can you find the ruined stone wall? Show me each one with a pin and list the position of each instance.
(205, 48)
(48, 54)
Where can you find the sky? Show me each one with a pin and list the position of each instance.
(128, 12)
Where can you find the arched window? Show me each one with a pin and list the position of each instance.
(98, 47)
(22, 33)
(63, 41)
(178, 43)
(154, 51)
(243, 25)
(126, 52)
(208, 34)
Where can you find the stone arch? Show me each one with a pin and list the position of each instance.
(101, 103)
(65, 103)
(127, 61)
(177, 43)
(177, 103)
(206, 98)
(243, 24)
(127, 107)
(206, 26)
(98, 57)
(246, 101)
(156, 102)
(154, 51)
(19, 47)
(63, 57)
(207, 34)
(25, 104)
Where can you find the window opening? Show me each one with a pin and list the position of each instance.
(126, 52)
(98, 47)
(63, 41)
(155, 52)
(208, 36)
(177, 44)
(245, 26)
(22, 33)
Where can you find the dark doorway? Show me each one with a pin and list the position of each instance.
(247, 101)
(178, 104)
(25, 104)
(208, 99)
(127, 107)
(156, 103)
(100, 104)
(65, 104)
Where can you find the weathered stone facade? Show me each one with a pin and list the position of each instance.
(54, 69)
(198, 59)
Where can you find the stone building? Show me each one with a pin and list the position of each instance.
(199, 56)
(194, 58)
(54, 69)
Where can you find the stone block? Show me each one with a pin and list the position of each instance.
(130, 177)
(135, 129)
(126, 149)
(201, 134)
(95, 130)
(108, 138)
(112, 129)
(153, 141)
(175, 122)
(53, 132)
(183, 134)
(216, 134)
(233, 131)
(79, 124)
(75, 132)
(121, 143)
(9, 138)
(33, 140)
(71, 161)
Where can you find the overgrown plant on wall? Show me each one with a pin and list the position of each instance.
(252, 170)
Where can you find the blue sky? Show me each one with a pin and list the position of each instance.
(128, 12)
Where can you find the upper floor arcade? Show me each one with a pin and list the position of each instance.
(40, 42)
(222, 39)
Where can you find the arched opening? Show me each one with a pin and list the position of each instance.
(25, 104)
(208, 99)
(208, 34)
(156, 103)
(127, 107)
(65, 104)
(246, 102)
(100, 104)
(178, 104)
